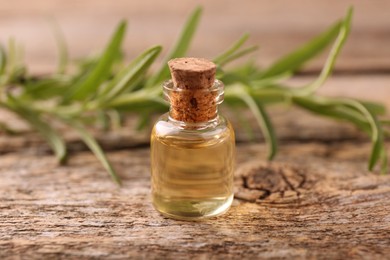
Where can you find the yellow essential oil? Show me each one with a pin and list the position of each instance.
(192, 151)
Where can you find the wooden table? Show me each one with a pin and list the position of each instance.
(318, 200)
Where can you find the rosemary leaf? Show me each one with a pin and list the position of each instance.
(293, 61)
(126, 79)
(272, 94)
(334, 52)
(180, 48)
(376, 132)
(374, 107)
(61, 45)
(268, 131)
(14, 69)
(220, 59)
(4, 128)
(231, 78)
(115, 119)
(87, 86)
(90, 141)
(52, 136)
(384, 159)
(238, 54)
(360, 115)
(249, 69)
(139, 101)
(46, 88)
(244, 123)
(11, 63)
(329, 109)
(261, 118)
(143, 122)
(3, 60)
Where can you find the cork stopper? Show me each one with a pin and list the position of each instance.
(192, 73)
(193, 98)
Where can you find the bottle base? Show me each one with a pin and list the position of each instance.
(190, 209)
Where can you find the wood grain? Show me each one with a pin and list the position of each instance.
(338, 211)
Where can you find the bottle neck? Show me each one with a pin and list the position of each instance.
(195, 126)
(194, 106)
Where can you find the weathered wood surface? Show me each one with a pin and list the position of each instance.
(316, 200)
(322, 204)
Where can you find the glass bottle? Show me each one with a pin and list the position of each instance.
(192, 146)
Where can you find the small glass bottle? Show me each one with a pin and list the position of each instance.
(192, 146)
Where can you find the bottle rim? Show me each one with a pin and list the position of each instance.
(217, 88)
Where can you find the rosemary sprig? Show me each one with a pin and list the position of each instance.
(105, 88)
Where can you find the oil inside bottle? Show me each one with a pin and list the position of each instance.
(192, 171)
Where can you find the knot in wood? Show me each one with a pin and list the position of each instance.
(257, 181)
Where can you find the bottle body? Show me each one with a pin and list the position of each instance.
(192, 168)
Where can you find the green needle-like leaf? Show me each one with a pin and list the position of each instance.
(90, 141)
(229, 78)
(330, 109)
(52, 137)
(353, 111)
(139, 101)
(374, 107)
(244, 124)
(180, 48)
(88, 85)
(11, 59)
(268, 131)
(334, 52)
(261, 118)
(61, 44)
(126, 79)
(376, 132)
(46, 88)
(220, 59)
(384, 159)
(3, 60)
(238, 54)
(294, 60)
(143, 121)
